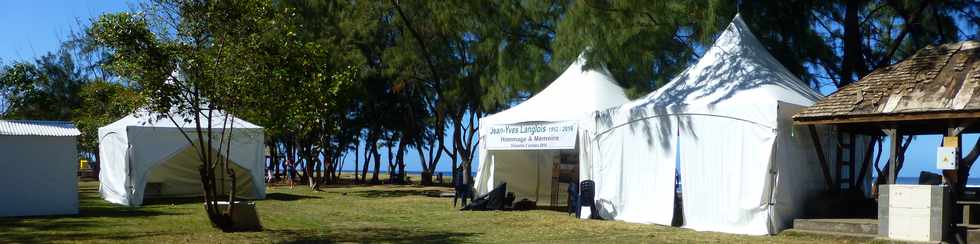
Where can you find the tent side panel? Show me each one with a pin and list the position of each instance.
(649, 169)
(634, 170)
(799, 179)
(113, 168)
(483, 182)
(39, 176)
(607, 171)
(724, 169)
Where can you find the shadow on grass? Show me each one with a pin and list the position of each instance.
(288, 197)
(92, 214)
(175, 201)
(185, 200)
(372, 235)
(22, 237)
(393, 193)
(71, 227)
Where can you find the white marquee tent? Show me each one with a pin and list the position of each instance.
(726, 121)
(515, 149)
(144, 155)
(39, 167)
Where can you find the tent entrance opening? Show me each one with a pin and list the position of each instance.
(178, 176)
(540, 176)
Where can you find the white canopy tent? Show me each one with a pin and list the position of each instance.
(39, 168)
(145, 155)
(519, 145)
(726, 121)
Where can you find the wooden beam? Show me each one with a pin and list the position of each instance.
(865, 167)
(896, 117)
(958, 129)
(823, 160)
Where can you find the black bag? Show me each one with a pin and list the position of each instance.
(493, 200)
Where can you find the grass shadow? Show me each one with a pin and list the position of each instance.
(373, 235)
(174, 201)
(393, 193)
(287, 197)
(67, 227)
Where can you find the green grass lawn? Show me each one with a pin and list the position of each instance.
(348, 214)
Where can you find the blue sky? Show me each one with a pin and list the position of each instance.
(33, 28)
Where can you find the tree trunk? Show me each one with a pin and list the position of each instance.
(274, 159)
(367, 162)
(853, 64)
(377, 165)
(400, 159)
(357, 160)
(422, 161)
(391, 165)
(98, 163)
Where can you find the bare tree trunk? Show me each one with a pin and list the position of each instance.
(367, 161)
(391, 164)
(852, 64)
(276, 161)
(377, 165)
(400, 158)
(273, 167)
(98, 162)
(357, 160)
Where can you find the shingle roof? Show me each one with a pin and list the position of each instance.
(37, 128)
(936, 79)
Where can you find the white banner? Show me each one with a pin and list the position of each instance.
(533, 136)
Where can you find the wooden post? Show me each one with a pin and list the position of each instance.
(838, 161)
(954, 140)
(823, 160)
(895, 148)
(850, 154)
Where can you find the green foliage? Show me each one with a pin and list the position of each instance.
(102, 103)
(645, 44)
(44, 90)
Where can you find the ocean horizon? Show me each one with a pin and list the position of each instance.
(911, 180)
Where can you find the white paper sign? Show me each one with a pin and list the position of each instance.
(946, 158)
(533, 136)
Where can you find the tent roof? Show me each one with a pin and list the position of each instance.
(737, 67)
(37, 128)
(145, 118)
(574, 94)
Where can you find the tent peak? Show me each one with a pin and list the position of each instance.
(735, 65)
(574, 94)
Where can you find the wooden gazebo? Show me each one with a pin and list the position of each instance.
(936, 91)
